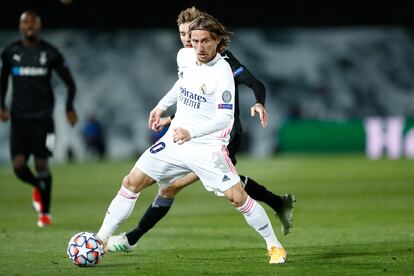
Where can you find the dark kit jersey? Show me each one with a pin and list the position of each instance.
(243, 76)
(31, 71)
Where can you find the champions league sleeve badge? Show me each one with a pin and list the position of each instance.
(226, 96)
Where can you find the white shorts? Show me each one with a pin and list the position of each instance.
(166, 161)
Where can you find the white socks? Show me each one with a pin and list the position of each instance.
(257, 218)
(124, 202)
(118, 211)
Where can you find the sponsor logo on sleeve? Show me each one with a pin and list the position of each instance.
(238, 71)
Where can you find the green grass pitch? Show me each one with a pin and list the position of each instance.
(353, 216)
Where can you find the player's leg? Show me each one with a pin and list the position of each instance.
(218, 175)
(163, 161)
(159, 207)
(44, 179)
(124, 202)
(128, 241)
(38, 135)
(260, 193)
(252, 188)
(282, 205)
(19, 151)
(257, 218)
(22, 170)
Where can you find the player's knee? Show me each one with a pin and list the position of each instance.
(42, 165)
(169, 192)
(24, 174)
(126, 182)
(237, 202)
(19, 162)
(18, 171)
(136, 182)
(236, 195)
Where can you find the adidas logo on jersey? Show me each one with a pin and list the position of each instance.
(225, 178)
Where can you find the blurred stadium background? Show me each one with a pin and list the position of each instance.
(327, 66)
(339, 77)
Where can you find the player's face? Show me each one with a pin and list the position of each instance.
(204, 45)
(185, 35)
(29, 26)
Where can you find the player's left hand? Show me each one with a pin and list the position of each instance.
(259, 108)
(181, 135)
(72, 117)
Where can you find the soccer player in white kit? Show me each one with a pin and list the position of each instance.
(197, 138)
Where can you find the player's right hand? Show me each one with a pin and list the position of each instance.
(72, 117)
(4, 115)
(154, 118)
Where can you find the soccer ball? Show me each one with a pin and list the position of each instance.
(85, 249)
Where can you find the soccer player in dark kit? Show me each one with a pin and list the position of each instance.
(30, 62)
(282, 205)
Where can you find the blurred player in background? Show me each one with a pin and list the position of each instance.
(282, 205)
(93, 135)
(197, 138)
(30, 62)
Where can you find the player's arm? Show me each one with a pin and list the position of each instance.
(155, 121)
(64, 73)
(4, 78)
(243, 76)
(170, 98)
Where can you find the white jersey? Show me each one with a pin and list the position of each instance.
(204, 95)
